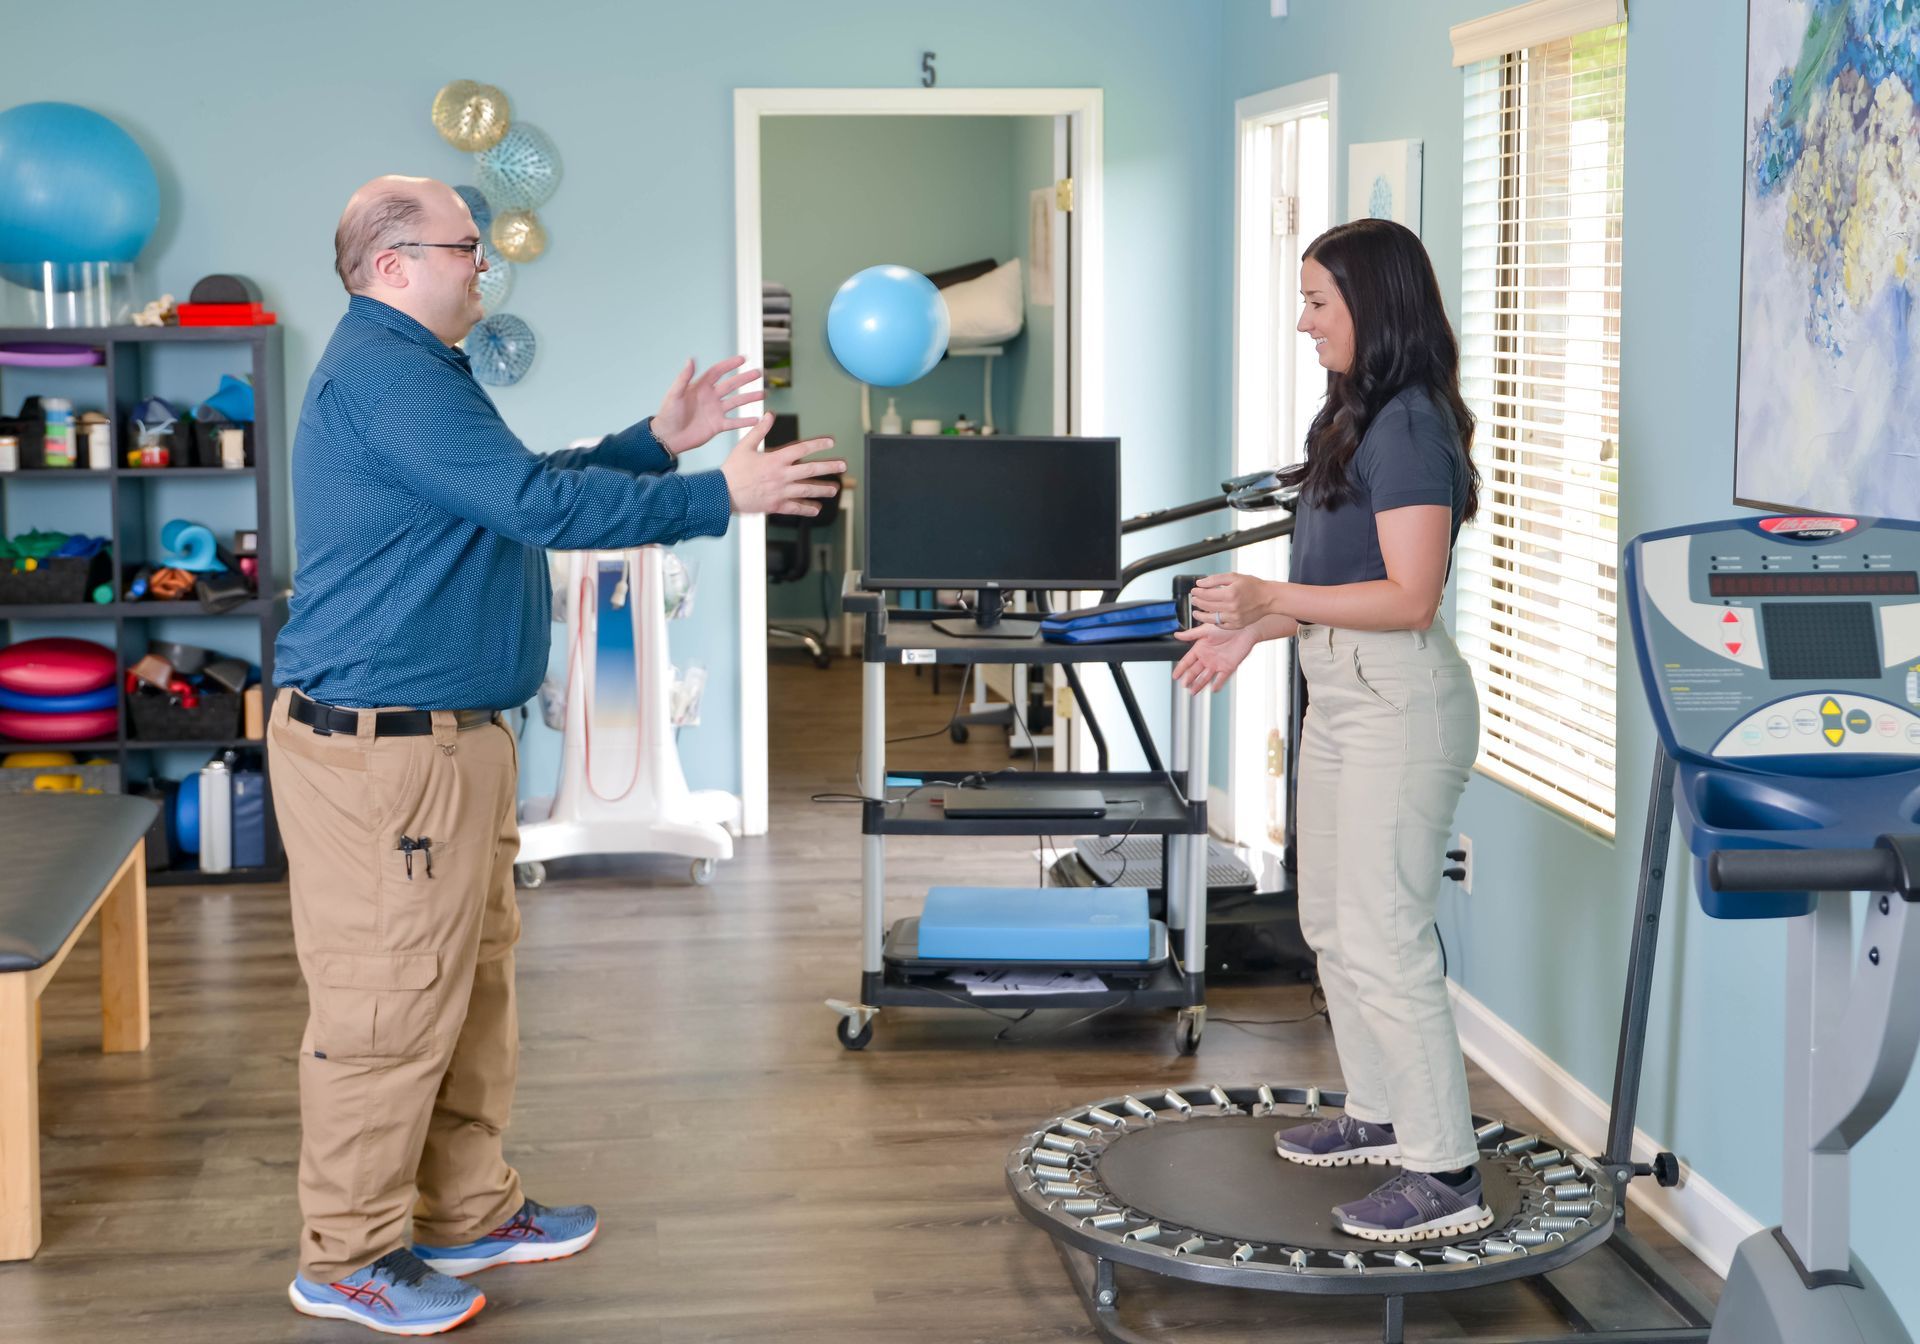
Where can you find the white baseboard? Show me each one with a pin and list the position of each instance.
(1698, 1215)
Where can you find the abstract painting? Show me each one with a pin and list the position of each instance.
(1383, 181)
(1829, 394)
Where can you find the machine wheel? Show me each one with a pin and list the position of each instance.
(957, 731)
(530, 875)
(1188, 1031)
(853, 1040)
(702, 872)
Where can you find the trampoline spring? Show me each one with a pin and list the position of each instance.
(1220, 1098)
(1107, 1118)
(1546, 1157)
(1242, 1253)
(1265, 1094)
(1501, 1246)
(1191, 1245)
(1147, 1233)
(1135, 1106)
(1313, 1101)
(1571, 1208)
(1562, 1224)
(1353, 1262)
(1533, 1236)
(1179, 1103)
(1080, 1208)
(1066, 1188)
(1488, 1133)
(1046, 1157)
(1405, 1261)
(1572, 1190)
(1078, 1130)
(1453, 1255)
(1526, 1143)
(1297, 1260)
(1560, 1175)
(1106, 1222)
(1062, 1145)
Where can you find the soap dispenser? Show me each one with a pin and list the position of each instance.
(890, 422)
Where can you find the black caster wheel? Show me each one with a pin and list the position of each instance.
(823, 660)
(958, 732)
(853, 1040)
(1187, 1034)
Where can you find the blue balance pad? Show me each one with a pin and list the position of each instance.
(1036, 924)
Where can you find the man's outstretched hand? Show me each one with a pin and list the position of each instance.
(778, 481)
(696, 409)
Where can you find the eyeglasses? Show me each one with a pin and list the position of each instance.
(475, 250)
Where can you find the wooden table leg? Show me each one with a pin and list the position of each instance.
(123, 958)
(19, 1121)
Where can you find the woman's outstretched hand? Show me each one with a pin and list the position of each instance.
(1212, 655)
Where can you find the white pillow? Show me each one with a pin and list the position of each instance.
(986, 310)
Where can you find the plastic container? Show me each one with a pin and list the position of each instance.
(60, 450)
(890, 422)
(216, 817)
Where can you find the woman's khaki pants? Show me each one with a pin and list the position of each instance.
(1392, 728)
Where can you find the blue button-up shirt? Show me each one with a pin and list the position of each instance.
(422, 524)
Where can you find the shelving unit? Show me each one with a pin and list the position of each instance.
(125, 378)
(1171, 804)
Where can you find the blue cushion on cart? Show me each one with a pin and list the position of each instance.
(1036, 924)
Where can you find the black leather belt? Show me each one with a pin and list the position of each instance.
(327, 720)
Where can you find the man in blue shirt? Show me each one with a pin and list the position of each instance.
(421, 609)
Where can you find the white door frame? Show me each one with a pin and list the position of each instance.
(1250, 363)
(1084, 110)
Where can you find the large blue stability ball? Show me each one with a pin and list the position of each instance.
(73, 187)
(887, 326)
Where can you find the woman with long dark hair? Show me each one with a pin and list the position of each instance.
(1392, 726)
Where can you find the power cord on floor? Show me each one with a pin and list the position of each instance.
(959, 700)
(1317, 997)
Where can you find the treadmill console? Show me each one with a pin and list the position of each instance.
(1787, 645)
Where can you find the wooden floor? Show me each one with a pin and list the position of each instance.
(679, 1070)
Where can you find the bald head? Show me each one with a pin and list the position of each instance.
(408, 242)
(386, 211)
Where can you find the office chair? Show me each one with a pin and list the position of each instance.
(790, 553)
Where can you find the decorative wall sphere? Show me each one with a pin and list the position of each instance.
(478, 207)
(73, 187)
(496, 282)
(522, 171)
(519, 235)
(501, 348)
(470, 116)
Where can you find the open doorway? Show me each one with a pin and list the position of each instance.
(1284, 192)
(957, 184)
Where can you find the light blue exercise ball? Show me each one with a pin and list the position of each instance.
(887, 325)
(73, 187)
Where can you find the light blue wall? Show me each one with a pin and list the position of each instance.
(309, 101)
(843, 193)
(1542, 940)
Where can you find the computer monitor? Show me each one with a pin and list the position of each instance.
(994, 513)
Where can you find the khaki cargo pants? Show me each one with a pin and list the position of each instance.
(407, 1065)
(1392, 730)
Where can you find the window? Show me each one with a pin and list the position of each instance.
(1540, 366)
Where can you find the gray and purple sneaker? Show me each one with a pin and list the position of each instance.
(1415, 1206)
(1339, 1142)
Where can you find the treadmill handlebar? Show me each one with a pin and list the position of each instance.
(1892, 865)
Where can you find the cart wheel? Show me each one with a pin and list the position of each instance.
(531, 875)
(850, 1039)
(702, 872)
(958, 732)
(1188, 1031)
(823, 659)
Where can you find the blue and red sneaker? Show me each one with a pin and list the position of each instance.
(533, 1234)
(396, 1295)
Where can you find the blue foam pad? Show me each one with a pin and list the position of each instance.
(1036, 924)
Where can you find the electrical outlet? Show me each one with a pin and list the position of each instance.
(1466, 862)
(822, 557)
